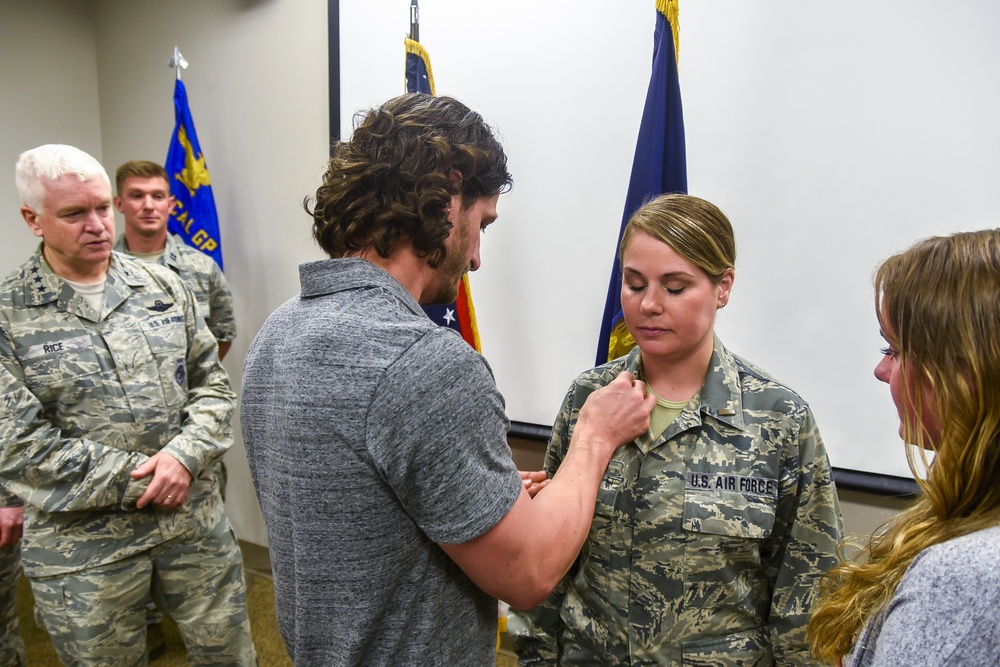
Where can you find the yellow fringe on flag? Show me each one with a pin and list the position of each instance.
(417, 49)
(670, 9)
(468, 298)
(501, 628)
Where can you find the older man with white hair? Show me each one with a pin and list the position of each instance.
(116, 410)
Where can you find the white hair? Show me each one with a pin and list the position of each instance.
(50, 163)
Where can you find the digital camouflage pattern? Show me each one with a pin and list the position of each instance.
(206, 280)
(87, 398)
(98, 616)
(200, 273)
(706, 542)
(11, 644)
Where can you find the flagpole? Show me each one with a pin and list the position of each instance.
(178, 62)
(414, 21)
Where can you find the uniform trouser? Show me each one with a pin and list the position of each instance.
(11, 645)
(97, 617)
(153, 615)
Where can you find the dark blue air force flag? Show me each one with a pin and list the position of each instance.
(194, 218)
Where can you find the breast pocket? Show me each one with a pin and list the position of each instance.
(728, 514)
(725, 586)
(166, 336)
(724, 532)
(61, 371)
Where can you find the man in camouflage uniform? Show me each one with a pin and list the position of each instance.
(145, 202)
(707, 541)
(116, 410)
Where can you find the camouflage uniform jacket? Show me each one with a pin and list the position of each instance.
(706, 541)
(206, 280)
(88, 398)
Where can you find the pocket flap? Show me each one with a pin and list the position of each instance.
(728, 513)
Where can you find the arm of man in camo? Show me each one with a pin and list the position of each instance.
(47, 470)
(206, 432)
(803, 545)
(220, 317)
(535, 633)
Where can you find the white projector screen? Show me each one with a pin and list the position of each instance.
(831, 138)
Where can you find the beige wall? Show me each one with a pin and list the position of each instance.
(48, 79)
(94, 74)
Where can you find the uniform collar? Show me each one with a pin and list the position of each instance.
(720, 397)
(722, 394)
(43, 286)
(171, 250)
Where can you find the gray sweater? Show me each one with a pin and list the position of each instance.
(946, 610)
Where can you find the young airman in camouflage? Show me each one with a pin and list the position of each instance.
(711, 530)
(145, 202)
(116, 410)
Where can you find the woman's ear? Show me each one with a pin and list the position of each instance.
(725, 286)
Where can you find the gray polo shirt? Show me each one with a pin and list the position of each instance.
(372, 436)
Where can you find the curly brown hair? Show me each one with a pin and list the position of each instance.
(394, 178)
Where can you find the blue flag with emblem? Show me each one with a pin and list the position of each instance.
(194, 218)
(659, 165)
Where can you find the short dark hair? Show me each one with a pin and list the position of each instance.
(397, 174)
(140, 168)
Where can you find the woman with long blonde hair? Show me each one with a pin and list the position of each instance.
(926, 588)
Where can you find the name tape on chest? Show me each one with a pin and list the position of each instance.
(707, 481)
(54, 347)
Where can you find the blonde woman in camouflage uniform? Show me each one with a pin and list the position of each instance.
(711, 530)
